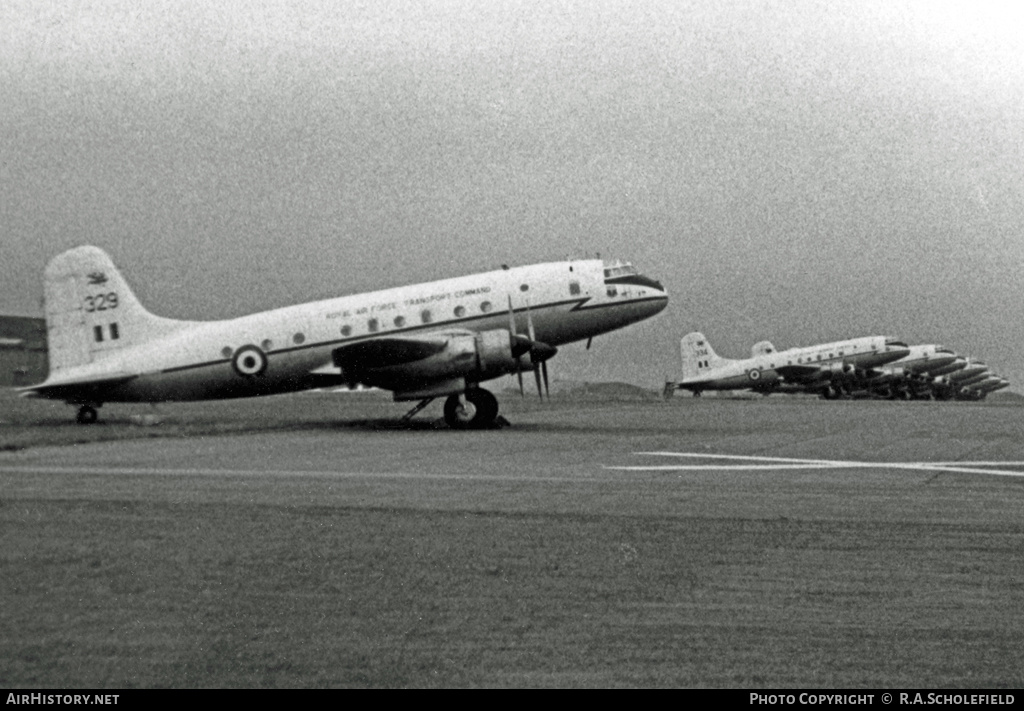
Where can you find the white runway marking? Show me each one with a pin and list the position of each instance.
(775, 463)
(249, 473)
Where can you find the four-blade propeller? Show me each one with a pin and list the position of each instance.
(538, 351)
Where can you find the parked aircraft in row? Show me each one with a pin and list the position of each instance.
(439, 339)
(972, 382)
(873, 366)
(824, 368)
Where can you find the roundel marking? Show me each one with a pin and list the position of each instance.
(754, 374)
(249, 361)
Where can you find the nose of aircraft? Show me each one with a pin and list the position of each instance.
(646, 293)
(659, 297)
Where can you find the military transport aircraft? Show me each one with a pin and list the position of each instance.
(980, 390)
(973, 371)
(912, 376)
(829, 368)
(423, 341)
(975, 381)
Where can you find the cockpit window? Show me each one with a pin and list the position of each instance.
(626, 274)
(617, 269)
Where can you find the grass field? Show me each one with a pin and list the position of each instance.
(310, 541)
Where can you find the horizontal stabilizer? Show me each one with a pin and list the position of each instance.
(73, 390)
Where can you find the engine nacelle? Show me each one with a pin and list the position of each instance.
(842, 371)
(494, 356)
(412, 362)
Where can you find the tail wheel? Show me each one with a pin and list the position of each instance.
(86, 415)
(475, 409)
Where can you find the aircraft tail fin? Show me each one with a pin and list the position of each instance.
(697, 354)
(91, 313)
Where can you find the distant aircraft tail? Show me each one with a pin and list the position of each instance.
(761, 348)
(91, 313)
(698, 355)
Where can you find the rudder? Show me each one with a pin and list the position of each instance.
(697, 355)
(91, 313)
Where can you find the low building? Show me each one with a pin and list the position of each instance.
(23, 358)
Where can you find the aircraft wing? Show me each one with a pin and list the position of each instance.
(387, 351)
(435, 363)
(799, 373)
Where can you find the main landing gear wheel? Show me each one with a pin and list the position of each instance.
(86, 415)
(476, 409)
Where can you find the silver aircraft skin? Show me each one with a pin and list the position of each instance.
(972, 372)
(959, 363)
(441, 338)
(827, 368)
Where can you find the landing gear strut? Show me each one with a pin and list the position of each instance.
(419, 406)
(86, 415)
(475, 409)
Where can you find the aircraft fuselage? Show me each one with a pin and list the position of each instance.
(563, 301)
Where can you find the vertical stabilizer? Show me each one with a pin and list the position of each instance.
(90, 311)
(698, 355)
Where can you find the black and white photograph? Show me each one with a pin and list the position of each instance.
(520, 344)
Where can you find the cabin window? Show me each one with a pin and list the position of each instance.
(399, 321)
(612, 291)
(346, 330)
(226, 352)
(97, 332)
(460, 311)
(114, 335)
(267, 344)
(373, 324)
(574, 288)
(298, 339)
(486, 307)
(524, 287)
(426, 316)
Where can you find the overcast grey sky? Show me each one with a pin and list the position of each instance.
(796, 171)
